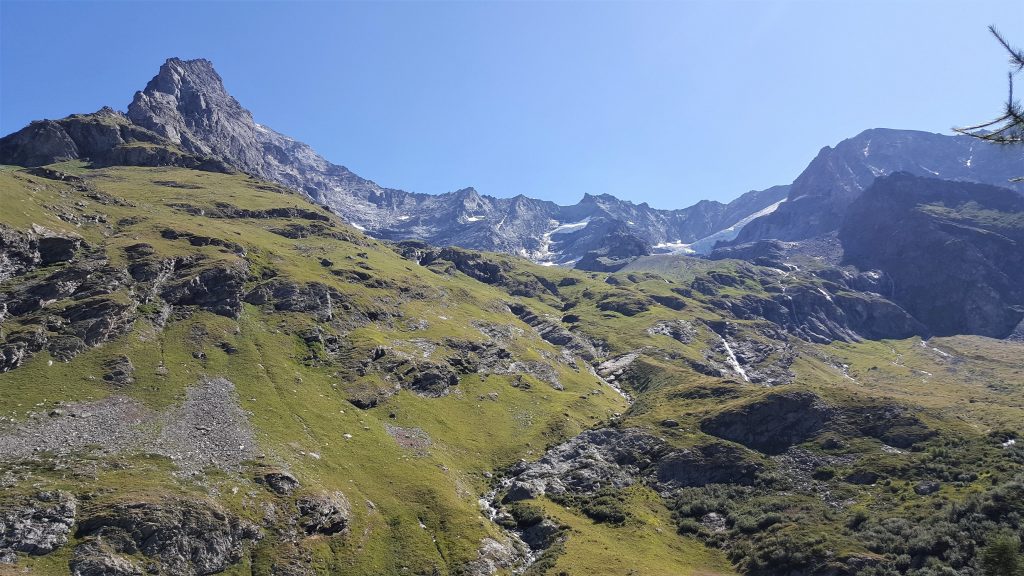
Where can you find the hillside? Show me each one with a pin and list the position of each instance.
(204, 372)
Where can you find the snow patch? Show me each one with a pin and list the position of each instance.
(357, 227)
(475, 218)
(571, 227)
(705, 244)
(544, 255)
(677, 247)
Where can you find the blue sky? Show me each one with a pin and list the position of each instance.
(667, 103)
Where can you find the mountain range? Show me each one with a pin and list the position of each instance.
(186, 104)
(222, 354)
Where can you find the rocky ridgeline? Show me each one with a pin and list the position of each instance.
(819, 197)
(185, 117)
(104, 138)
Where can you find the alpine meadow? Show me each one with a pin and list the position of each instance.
(222, 353)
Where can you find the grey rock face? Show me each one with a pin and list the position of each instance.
(37, 525)
(282, 295)
(420, 375)
(217, 289)
(492, 556)
(619, 249)
(817, 315)
(95, 558)
(551, 330)
(618, 458)
(106, 138)
(955, 272)
(679, 330)
(184, 536)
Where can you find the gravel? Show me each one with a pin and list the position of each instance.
(208, 429)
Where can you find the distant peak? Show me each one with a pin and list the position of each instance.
(197, 74)
(194, 65)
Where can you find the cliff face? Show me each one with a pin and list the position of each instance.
(954, 250)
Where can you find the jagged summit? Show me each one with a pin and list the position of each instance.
(186, 103)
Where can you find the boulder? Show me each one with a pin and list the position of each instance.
(280, 482)
(96, 558)
(326, 513)
(119, 371)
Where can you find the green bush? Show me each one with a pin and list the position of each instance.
(1001, 556)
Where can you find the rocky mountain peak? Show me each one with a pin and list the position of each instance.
(181, 77)
(186, 102)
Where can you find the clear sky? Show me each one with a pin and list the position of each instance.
(667, 103)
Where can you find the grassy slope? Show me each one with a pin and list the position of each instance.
(300, 409)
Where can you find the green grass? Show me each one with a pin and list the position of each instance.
(300, 413)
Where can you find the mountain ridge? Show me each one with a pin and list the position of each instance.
(186, 103)
(838, 175)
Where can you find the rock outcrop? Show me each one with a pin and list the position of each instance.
(817, 315)
(183, 536)
(953, 251)
(106, 138)
(772, 424)
(611, 458)
(36, 525)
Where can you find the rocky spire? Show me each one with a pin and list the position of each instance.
(186, 102)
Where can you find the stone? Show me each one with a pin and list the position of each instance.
(95, 558)
(280, 482)
(120, 371)
(325, 513)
